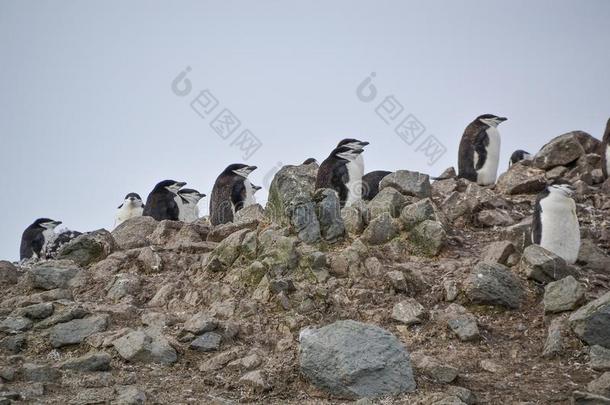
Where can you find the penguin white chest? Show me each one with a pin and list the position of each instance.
(560, 230)
(487, 174)
(126, 212)
(187, 211)
(608, 159)
(355, 171)
(250, 200)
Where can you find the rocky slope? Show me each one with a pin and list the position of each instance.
(429, 294)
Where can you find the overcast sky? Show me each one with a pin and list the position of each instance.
(88, 111)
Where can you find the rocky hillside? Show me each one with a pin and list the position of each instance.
(428, 294)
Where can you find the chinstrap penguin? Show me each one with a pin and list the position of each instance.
(231, 192)
(370, 183)
(479, 150)
(187, 200)
(335, 172)
(131, 207)
(605, 152)
(355, 169)
(36, 237)
(161, 203)
(518, 156)
(555, 224)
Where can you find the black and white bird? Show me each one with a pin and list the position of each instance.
(370, 183)
(131, 207)
(518, 156)
(355, 169)
(36, 237)
(161, 203)
(555, 223)
(231, 192)
(187, 200)
(336, 172)
(479, 150)
(605, 152)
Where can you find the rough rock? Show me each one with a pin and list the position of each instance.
(433, 368)
(543, 266)
(223, 231)
(134, 232)
(8, 273)
(54, 274)
(13, 344)
(15, 324)
(560, 151)
(76, 330)
(328, 211)
(88, 248)
(586, 398)
(418, 212)
(40, 373)
(290, 200)
(563, 295)
(355, 360)
(557, 332)
(521, 179)
(601, 385)
(130, 395)
(599, 358)
(140, 347)
(494, 217)
(381, 230)
(200, 323)
(36, 311)
(251, 213)
(208, 342)
(408, 183)
(499, 252)
(519, 234)
(592, 257)
(592, 322)
(95, 361)
(409, 312)
(461, 322)
(124, 285)
(493, 284)
(256, 380)
(354, 217)
(387, 200)
(397, 280)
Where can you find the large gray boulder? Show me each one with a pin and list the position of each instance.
(387, 200)
(54, 274)
(351, 359)
(592, 322)
(88, 248)
(408, 183)
(76, 330)
(8, 273)
(543, 266)
(328, 212)
(521, 179)
(563, 295)
(591, 257)
(134, 232)
(290, 200)
(381, 230)
(141, 347)
(493, 284)
(560, 151)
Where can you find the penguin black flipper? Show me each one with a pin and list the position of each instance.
(481, 143)
(32, 246)
(536, 220)
(605, 151)
(221, 204)
(339, 180)
(238, 195)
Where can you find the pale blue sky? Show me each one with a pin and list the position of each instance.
(87, 113)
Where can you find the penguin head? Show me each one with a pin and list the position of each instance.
(491, 120)
(518, 156)
(132, 200)
(170, 185)
(45, 223)
(352, 143)
(346, 153)
(190, 195)
(562, 187)
(240, 169)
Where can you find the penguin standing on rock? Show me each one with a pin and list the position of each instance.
(187, 200)
(555, 224)
(232, 191)
(337, 172)
(161, 203)
(131, 207)
(36, 237)
(605, 152)
(355, 168)
(518, 156)
(479, 150)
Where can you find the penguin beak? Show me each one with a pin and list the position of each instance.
(56, 223)
(364, 143)
(501, 119)
(252, 168)
(180, 184)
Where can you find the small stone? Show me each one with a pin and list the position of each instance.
(451, 290)
(499, 252)
(381, 230)
(75, 331)
(15, 324)
(408, 312)
(8, 273)
(600, 385)
(464, 394)
(140, 347)
(563, 295)
(586, 398)
(429, 237)
(592, 322)
(256, 380)
(13, 344)
(130, 395)
(491, 218)
(599, 358)
(433, 368)
(461, 322)
(490, 366)
(200, 323)
(408, 183)
(36, 311)
(493, 284)
(38, 373)
(388, 200)
(207, 342)
(554, 343)
(543, 266)
(97, 361)
(418, 212)
(246, 363)
(397, 280)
